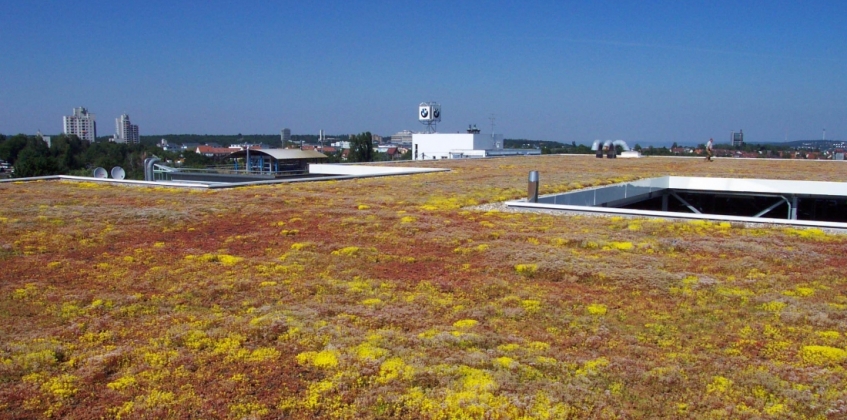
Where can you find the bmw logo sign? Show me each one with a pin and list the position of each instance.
(424, 113)
(436, 113)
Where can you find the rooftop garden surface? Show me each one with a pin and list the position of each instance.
(392, 297)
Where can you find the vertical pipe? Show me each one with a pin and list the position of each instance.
(532, 187)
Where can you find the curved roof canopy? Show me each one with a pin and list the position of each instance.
(282, 154)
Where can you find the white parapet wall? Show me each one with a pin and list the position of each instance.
(367, 170)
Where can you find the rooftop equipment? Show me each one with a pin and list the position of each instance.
(118, 173)
(532, 187)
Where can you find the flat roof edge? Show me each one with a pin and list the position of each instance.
(103, 180)
(221, 185)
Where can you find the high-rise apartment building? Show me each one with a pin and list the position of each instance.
(286, 134)
(738, 138)
(81, 124)
(125, 131)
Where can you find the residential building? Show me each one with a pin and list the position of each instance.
(402, 137)
(394, 153)
(164, 145)
(738, 138)
(46, 139)
(212, 151)
(125, 131)
(80, 124)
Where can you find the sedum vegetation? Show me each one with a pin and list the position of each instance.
(393, 297)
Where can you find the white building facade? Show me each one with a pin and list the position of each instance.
(429, 146)
(432, 145)
(81, 124)
(125, 131)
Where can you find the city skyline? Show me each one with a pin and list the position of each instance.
(660, 72)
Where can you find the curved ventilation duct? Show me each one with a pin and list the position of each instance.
(148, 168)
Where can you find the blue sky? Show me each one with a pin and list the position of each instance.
(648, 72)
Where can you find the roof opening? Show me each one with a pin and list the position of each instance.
(752, 200)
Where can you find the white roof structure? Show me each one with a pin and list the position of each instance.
(604, 199)
(282, 154)
(770, 186)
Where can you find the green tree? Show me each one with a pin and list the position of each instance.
(10, 147)
(35, 160)
(361, 148)
(106, 155)
(67, 151)
(195, 160)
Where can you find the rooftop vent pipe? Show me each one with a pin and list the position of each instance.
(532, 187)
(596, 148)
(148, 168)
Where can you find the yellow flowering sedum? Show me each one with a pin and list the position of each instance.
(346, 251)
(394, 368)
(822, 355)
(121, 383)
(719, 385)
(323, 359)
(526, 269)
(465, 323)
(596, 309)
(62, 386)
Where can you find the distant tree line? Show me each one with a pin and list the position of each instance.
(547, 147)
(554, 147)
(70, 155)
(655, 151)
(272, 140)
(753, 147)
